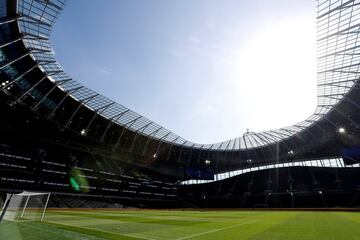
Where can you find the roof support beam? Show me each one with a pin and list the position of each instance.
(50, 3)
(170, 149)
(58, 83)
(19, 77)
(137, 134)
(34, 20)
(68, 93)
(342, 6)
(81, 103)
(98, 112)
(111, 122)
(9, 19)
(34, 86)
(147, 140)
(15, 60)
(11, 41)
(125, 127)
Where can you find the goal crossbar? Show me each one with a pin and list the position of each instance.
(16, 205)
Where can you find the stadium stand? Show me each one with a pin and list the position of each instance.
(58, 136)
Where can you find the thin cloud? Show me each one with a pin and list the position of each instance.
(103, 71)
(176, 52)
(196, 41)
(211, 23)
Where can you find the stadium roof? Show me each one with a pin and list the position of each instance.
(338, 73)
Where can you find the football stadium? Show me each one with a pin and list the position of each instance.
(75, 164)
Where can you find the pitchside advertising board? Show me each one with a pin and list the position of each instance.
(199, 173)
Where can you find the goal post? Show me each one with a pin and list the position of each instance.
(25, 206)
(5, 206)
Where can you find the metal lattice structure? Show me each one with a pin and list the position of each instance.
(338, 73)
(320, 163)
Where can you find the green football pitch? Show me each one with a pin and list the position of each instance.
(193, 225)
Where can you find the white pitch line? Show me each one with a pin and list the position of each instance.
(128, 214)
(95, 229)
(215, 230)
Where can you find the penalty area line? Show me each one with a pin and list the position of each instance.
(215, 230)
(99, 230)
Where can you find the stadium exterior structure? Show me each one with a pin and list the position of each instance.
(52, 126)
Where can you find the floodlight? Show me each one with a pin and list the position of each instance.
(155, 155)
(207, 162)
(83, 132)
(291, 153)
(341, 130)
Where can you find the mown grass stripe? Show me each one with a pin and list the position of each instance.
(214, 230)
(98, 232)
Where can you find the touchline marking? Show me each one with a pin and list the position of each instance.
(95, 229)
(215, 230)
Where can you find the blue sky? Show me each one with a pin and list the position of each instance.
(205, 69)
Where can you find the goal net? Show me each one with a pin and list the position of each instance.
(25, 206)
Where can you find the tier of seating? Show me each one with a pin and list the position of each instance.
(285, 187)
(52, 170)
